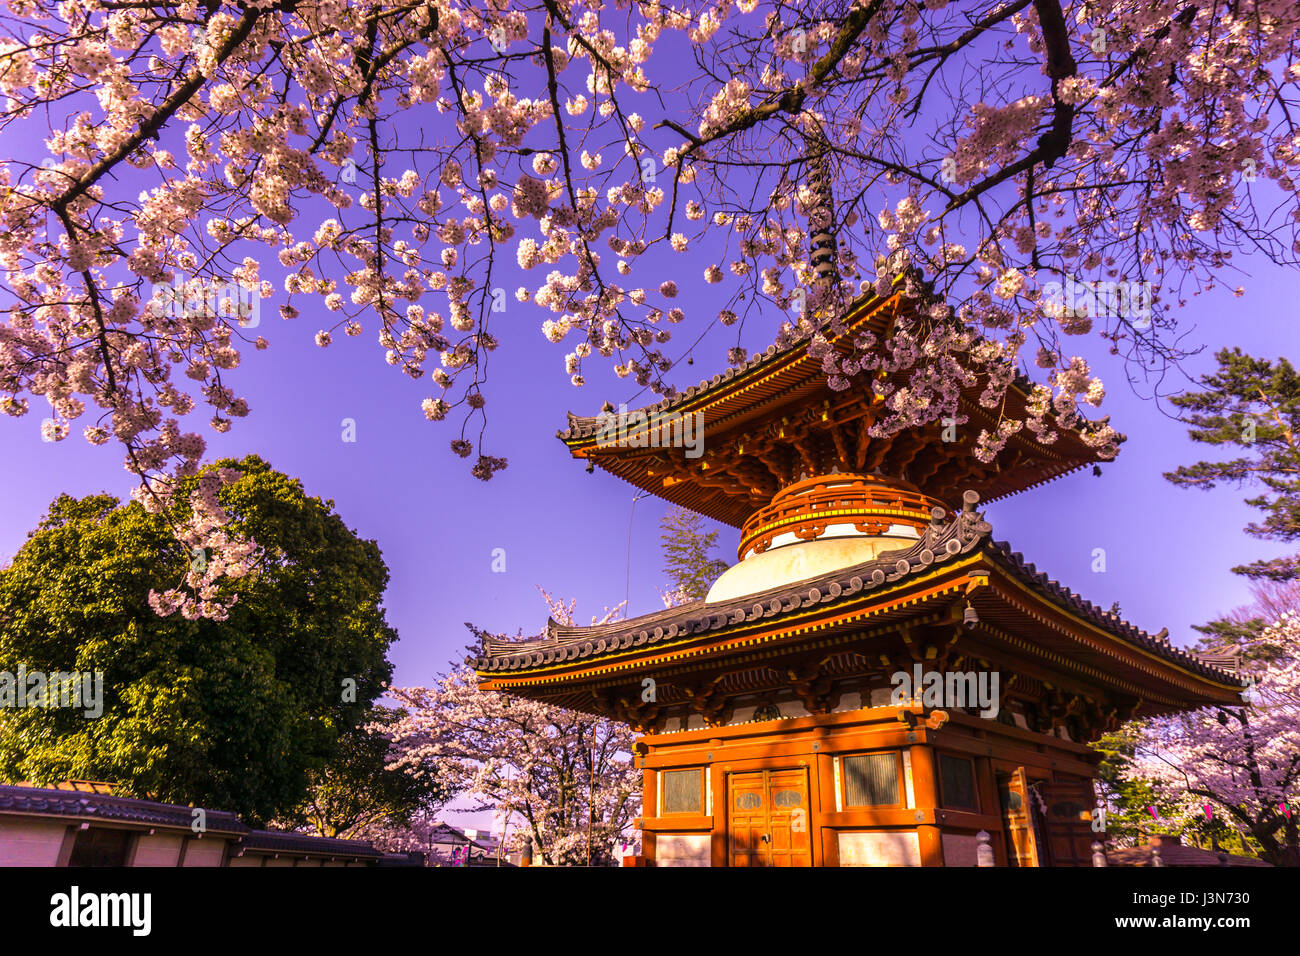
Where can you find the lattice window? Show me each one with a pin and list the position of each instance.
(957, 783)
(683, 791)
(871, 780)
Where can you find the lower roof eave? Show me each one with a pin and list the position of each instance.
(1135, 664)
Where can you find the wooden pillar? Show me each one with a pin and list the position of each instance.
(649, 808)
(986, 787)
(824, 840)
(925, 788)
(812, 819)
(717, 783)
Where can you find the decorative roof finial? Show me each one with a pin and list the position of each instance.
(821, 212)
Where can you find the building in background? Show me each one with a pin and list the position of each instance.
(83, 824)
(1165, 850)
(453, 846)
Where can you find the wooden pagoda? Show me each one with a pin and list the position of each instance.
(774, 729)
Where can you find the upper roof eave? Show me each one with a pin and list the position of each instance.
(583, 427)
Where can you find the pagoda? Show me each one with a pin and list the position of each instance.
(876, 681)
(776, 730)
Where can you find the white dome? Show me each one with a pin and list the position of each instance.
(802, 560)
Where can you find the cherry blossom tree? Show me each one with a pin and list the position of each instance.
(393, 836)
(1022, 170)
(562, 777)
(1242, 763)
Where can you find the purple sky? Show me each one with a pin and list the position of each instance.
(1168, 550)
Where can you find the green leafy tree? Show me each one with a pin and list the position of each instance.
(1254, 405)
(232, 714)
(688, 556)
(1128, 819)
(356, 795)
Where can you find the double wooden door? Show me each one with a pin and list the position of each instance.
(768, 814)
(1047, 823)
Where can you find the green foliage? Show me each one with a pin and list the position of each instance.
(1223, 635)
(1128, 820)
(687, 549)
(1252, 404)
(356, 794)
(234, 714)
(1242, 631)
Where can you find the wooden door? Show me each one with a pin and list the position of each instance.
(788, 817)
(747, 806)
(1018, 819)
(769, 818)
(1068, 821)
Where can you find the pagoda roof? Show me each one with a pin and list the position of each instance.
(888, 583)
(775, 416)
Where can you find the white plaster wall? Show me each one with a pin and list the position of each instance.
(30, 842)
(683, 849)
(880, 848)
(792, 708)
(205, 852)
(161, 849)
(881, 696)
(850, 701)
(743, 715)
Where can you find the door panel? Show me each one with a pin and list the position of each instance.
(788, 817)
(768, 818)
(1018, 819)
(747, 809)
(1047, 823)
(1068, 821)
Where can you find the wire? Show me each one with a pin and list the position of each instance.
(627, 588)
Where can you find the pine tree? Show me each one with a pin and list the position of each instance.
(688, 561)
(1252, 404)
